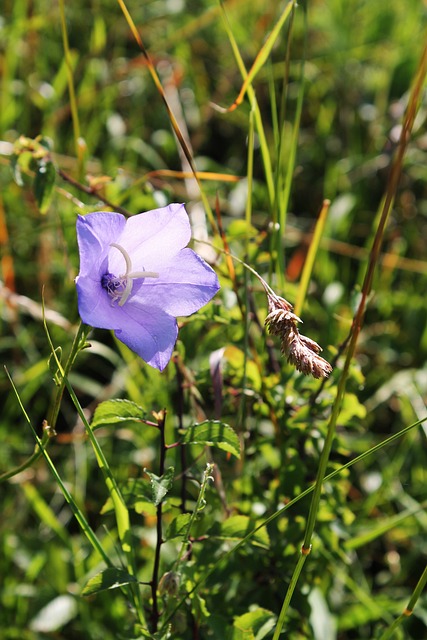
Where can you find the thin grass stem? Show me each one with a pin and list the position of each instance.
(358, 319)
(79, 146)
(420, 586)
(291, 503)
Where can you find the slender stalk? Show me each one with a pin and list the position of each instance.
(421, 584)
(159, 533)
(85, 527)
(79, 147)
(92, 192)
(285, 194)
(291, 503)
(182, 450)
(357, 322)
(174, 123)
(29, 462)
(276, 238)
(78, 343)
(248, 219)
(265, 152)
(120, 509)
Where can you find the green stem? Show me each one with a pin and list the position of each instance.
(120, 509)
(392, 184)
(200, 504)
(78, 342)
(289, 594)
(409, 609)
(38, 452)
(50, 423)
(79, 147)
(265, 152)
(159, 528)
(288, 505)
(89, 533)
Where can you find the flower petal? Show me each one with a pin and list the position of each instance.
(152, 239)
(95, 232)
(181, 289)
(149, 333)
(95, 306)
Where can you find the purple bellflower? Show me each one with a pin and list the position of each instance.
(137, 275)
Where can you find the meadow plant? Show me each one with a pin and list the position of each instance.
(201, 471)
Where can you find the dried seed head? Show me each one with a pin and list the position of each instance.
(303, 354)
(299, 350)
(280, 315)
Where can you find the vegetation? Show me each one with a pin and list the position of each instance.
(229, 497)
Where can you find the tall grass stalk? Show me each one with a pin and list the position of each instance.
(363, 456)
(393, 181)
(419, 588)
(80, 517)
(174, 123)
(120, 509)
(79, 144)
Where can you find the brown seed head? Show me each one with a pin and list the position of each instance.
(299, 350)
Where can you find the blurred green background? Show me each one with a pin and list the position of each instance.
(357, 60)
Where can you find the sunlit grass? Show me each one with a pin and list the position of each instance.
(319, 93)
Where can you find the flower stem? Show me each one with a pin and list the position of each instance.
(78, 343)
(120, 509)
(159, 541)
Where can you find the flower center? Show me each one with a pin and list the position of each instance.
(120, 288)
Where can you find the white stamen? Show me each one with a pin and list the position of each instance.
(129, 275)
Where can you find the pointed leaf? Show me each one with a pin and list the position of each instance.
(44, 182)
(255, 624)
(215, 434)
(178, 527)
(160, 486)
(110, 578)
(114, 412)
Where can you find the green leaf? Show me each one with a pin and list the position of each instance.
(238, 527)
(110, 578)
(254, 625)
(215, 434)
(44, 183)
(160, 486)
(178, 527)
(114, 412)
(16, 170)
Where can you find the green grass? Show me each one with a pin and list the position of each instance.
(84, 126)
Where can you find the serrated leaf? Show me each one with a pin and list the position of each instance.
(110, 578)
(160, 486)
(215, 434)
(113, 412)
(44, 181)
(238, 527)
(255, 624)
(178, 527)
